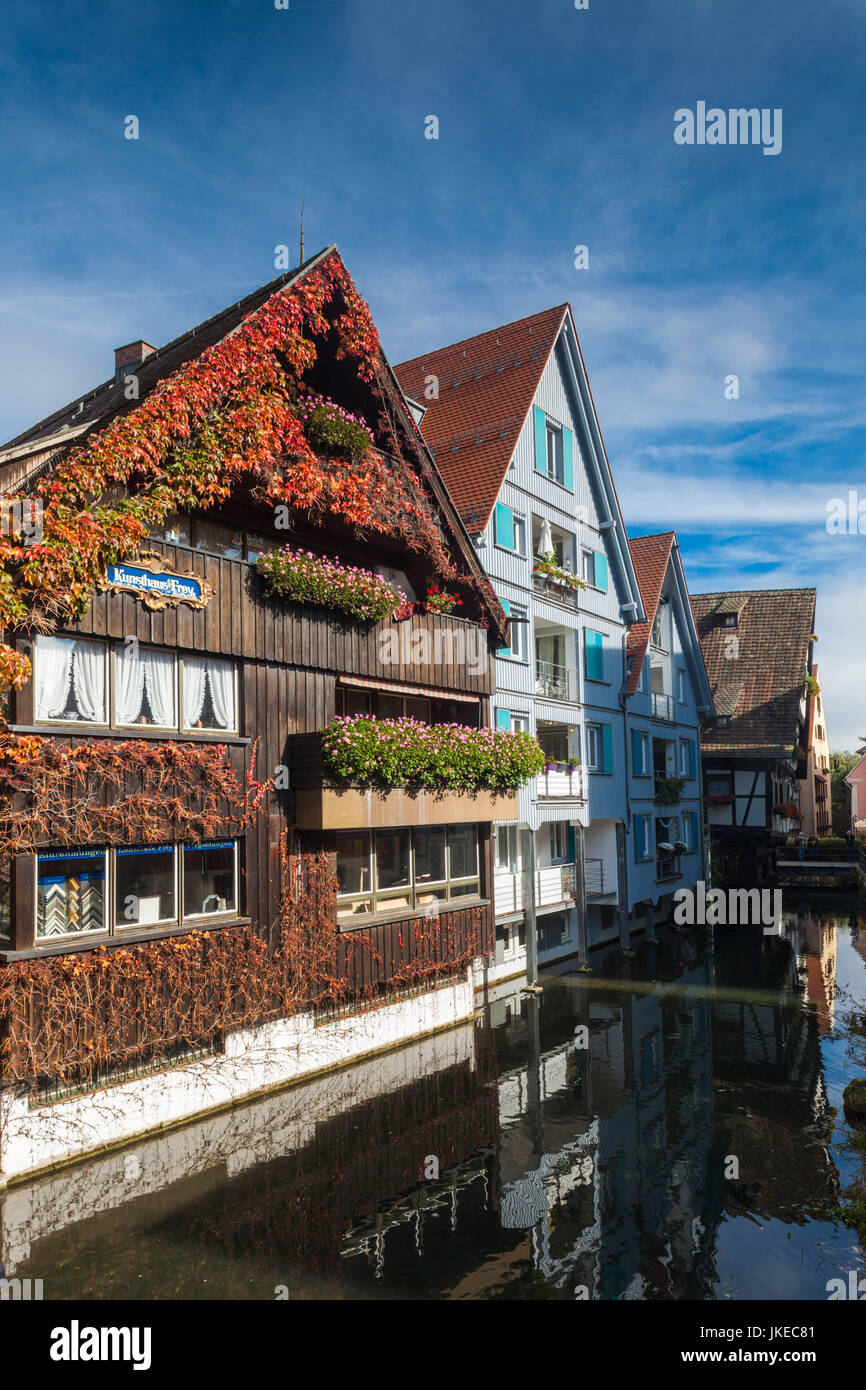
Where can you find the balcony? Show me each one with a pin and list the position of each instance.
(562, 783)
(663, 707)
(555, 593)
(593, 870)
(320, 804)
(667, 866)
(554, 682)
(668, 790)
(554, 885)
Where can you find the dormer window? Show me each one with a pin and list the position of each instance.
(731, 621)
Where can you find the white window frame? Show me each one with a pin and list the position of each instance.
(553, 445)
(644, 745)
(103, 723)
(511, 835)
(558, 842)
(649, 851)
(594, 747)
(519, 533)
(519, 634)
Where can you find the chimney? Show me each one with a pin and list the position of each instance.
(126, 359)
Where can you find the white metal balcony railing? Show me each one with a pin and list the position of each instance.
(554, 884)
(563, 783)
(593, 873)
(663, 707)
(556, 682)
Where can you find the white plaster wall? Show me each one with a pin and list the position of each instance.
(33, 1138)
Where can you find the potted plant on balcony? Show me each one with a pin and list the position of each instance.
(438, 601)
(719, 798)
(547, 568)
(668, 790)
(299, 576)
(680, 846)
(573, 763)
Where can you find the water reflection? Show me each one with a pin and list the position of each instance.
(662, 1128)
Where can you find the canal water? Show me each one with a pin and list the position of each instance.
(667, 1127)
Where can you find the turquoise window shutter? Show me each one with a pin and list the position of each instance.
(540, 440)
(572, 846)
(503, 720)
(568, 458)
(639, 845)
(506, 606)
(606, 749)
(600, 571)
(593, 646)
(504, 526)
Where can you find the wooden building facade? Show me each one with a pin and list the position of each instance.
(167, 734)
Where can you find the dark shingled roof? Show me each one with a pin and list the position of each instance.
(486, 387)
(762, 687)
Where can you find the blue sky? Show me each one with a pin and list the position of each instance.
(556, 129)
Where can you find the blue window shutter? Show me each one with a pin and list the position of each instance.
(572, 845)
(600, 571)
(635, 751)
(506, 606)
(540, 440)
(504, 526)
(639, 845)
(593, 646)
(503, 720)
(693, 819)
(568, 458)
(692, 768)
(606, 749)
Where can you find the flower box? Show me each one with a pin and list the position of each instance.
(321, 803)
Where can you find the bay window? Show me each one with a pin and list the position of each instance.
(401, 870)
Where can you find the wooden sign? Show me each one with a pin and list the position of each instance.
(149, 579)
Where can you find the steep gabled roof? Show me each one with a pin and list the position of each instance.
(650, 556)
(486, 387)
(40, 447)
(762, 685)
(98, 405)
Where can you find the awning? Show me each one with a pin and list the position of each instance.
(395, 688)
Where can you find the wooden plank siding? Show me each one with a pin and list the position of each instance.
(289, 658)
(240, 622)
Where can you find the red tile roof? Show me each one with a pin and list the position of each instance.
(650, 556)
(761, 689)
(486, 387)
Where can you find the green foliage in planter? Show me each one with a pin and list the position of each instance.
(333, 431)
(302, 577)
(447, 757)
(669, 790)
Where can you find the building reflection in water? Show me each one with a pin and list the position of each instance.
(575, 1146)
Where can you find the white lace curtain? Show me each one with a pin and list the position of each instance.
(199, 673)
(137, 672)
(61, 662)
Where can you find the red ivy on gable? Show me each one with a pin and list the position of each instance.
(226, 419)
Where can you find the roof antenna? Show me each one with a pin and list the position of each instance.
(301, 261)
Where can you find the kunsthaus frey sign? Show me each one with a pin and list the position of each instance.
(157, 586)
